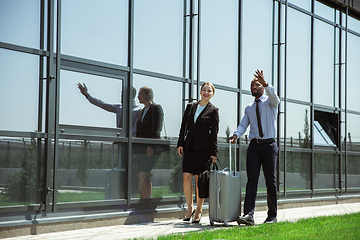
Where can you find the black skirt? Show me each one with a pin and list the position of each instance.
(195, 161)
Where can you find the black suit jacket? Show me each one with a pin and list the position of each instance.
(151, 125)
(204, 132)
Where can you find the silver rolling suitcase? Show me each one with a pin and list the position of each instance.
(224, 194)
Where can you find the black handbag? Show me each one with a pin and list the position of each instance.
(203, 180)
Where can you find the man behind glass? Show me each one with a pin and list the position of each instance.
(261, 115)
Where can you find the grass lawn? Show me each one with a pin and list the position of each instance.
(334, 227)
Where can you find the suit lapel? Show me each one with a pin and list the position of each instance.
(203, 111)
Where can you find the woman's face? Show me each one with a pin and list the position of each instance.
(206, 93)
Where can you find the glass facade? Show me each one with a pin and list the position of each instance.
(76, 84)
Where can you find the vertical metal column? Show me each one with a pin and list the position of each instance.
(279, 90)
(39, 184)
(198, 51)
(130, 80)
(50, 104)
(312, 95)
(57, 106)
(191, 51)
(346, 50)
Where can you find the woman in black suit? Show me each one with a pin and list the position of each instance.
(148, 125)
(198, 142)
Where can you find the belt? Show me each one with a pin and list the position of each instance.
(262, 141)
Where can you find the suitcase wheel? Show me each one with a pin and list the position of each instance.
(211, 222)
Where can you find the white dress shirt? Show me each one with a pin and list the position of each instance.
(268, 114)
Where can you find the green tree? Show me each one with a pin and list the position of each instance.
(83, 164)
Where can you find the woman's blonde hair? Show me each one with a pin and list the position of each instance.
(208, 84)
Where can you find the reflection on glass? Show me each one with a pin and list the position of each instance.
(298, 126)
(323, 63)
(320, 136)
(298, 55)
(116, 108)
(169, 95)
(91, 171)
(254, 46)
(226, 102)
(305, 4)
(21, 171)
(353, 136)
(20, 22)
(98, 31)
(353, 171)
(353, 24)
(90, 112)
(155, 171)
(298, 170)
(219, 42)
(324, 11)
(353, 96)
(158, 36)
(324, 170)
(19, 91)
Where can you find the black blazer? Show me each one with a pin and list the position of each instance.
(204, 132)
(151, 125)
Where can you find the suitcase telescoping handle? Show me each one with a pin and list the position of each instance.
(234, 156)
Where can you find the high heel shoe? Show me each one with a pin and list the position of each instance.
(188, 219)
(196, 221)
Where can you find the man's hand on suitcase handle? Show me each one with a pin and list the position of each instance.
(233, 138)
(213, 159)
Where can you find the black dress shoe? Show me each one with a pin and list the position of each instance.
(270, 220)
(188, 219)
(246, 219)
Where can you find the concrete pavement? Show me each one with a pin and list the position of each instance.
(154, 229)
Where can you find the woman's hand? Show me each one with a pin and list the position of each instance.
(213, 159)
(180, 151)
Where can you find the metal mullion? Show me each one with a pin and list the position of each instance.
(49, 122)
(57, 106)
(191, 52)
(22, 49)
(312, 96)
(130, 84)
(198, 51)
(40, 103)
(279, 90)
(285, 93)
(346, 107)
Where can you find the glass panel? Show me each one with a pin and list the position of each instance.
(19, 74)
(353, 96)
(155, 173)
(353, 171)
(158, 36)
(298, 170)
(353, 24)
(102, 108)
(98, 31)
(324, 171)
(254, 46)
(353, 137)
(21, 170)
(20, 22)
(219, 45)
(168, 95)
(320, 136)
(324, 84)
(226, 102)
(305, 4)
(298, 122)
(91, 171)
(324, 11)
(298, 56)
